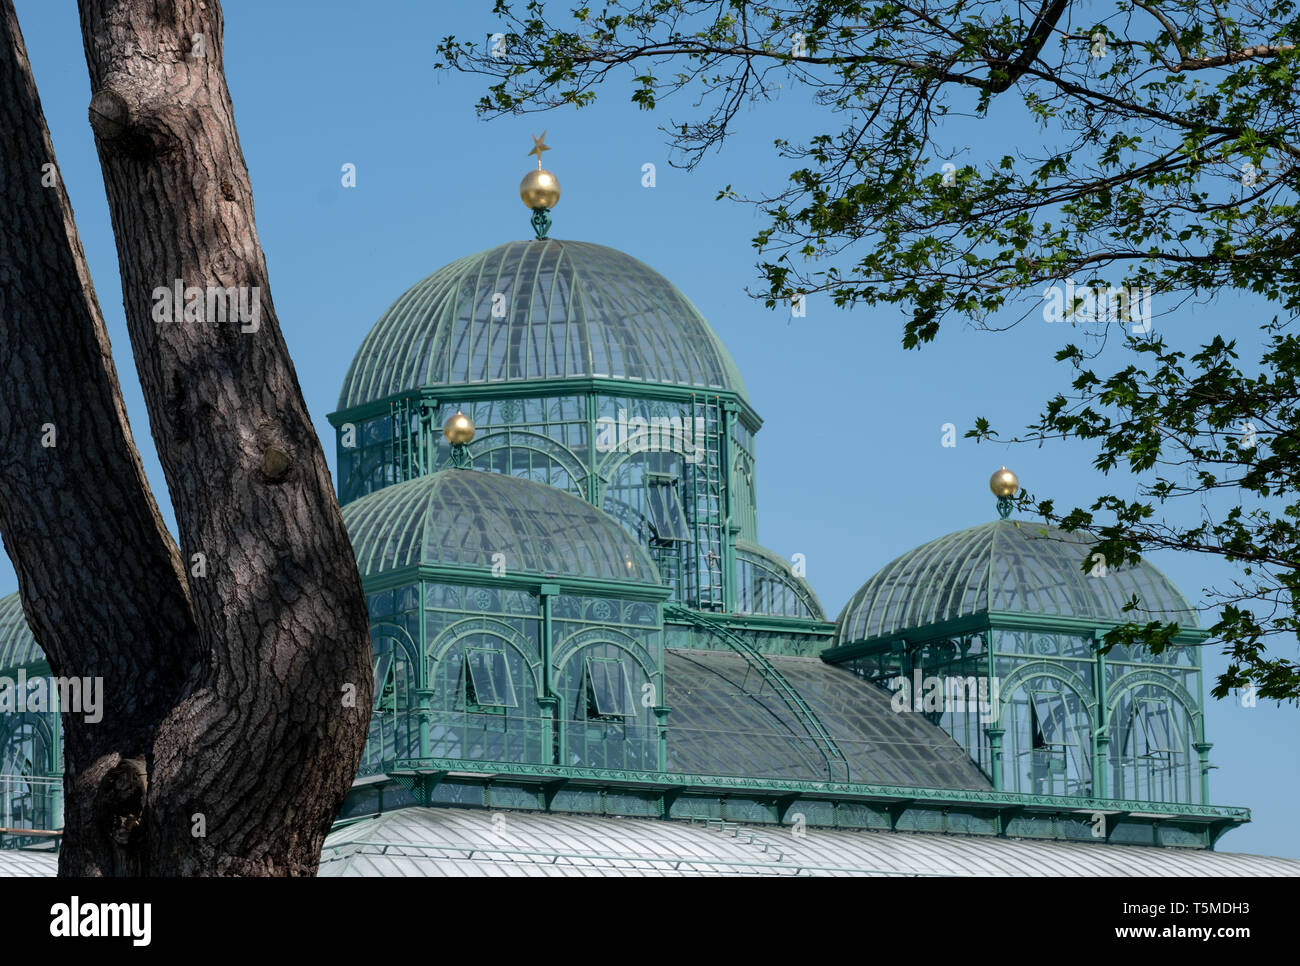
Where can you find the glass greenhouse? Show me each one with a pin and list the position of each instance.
(575, 627)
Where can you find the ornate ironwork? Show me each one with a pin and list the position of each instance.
(541, 221)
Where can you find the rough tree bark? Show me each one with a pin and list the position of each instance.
(237, 683)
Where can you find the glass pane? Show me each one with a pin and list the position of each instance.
(383, 682)
(666, 516)
(607, 687)
(489, 678)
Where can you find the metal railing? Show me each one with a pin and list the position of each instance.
(31, 809)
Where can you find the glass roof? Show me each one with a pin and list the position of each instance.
(726, 722)
(539, 310)
(1006, 565)
(778, 567)
(418, 842)
(466, 518)
(17, 643)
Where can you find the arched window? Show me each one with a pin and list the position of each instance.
(485, 676)
(1048, 745)
(609, 690)
(25, 760)
(1151, 754)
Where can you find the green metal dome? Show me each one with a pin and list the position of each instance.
(465, 518)
(17, 643)
(539, 310)
(1008, 566)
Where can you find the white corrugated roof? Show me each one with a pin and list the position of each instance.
(418, 842)
(17, 862)
(453, 842)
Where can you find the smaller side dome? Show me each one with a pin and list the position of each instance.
(1010, 566)
(17, 642)
(465, 518)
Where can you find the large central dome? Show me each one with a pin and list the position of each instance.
(539, 310)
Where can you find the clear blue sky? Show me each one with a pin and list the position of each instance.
(851, 469)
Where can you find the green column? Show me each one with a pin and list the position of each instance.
(725, 421)
(593, 485)
(1203, 751)
(661, 719)
(549, 700)
(423, 693)
(1201, 743)
(423, 697)
(995, 755)
(1101, 724)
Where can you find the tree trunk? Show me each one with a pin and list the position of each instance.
(236, 669)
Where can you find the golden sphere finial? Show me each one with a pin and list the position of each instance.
(1004, 484)
(540, 189)
(459, 429)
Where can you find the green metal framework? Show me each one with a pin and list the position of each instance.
(31, 752)
(1012, 605)
(482, 521)
(496, 785)
(1011, 566)
(836, 765)
(585, 621)
(538, 311)
(18, 647)
(581, 368)
(767, 584)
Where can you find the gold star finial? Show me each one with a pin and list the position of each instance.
(539, 147)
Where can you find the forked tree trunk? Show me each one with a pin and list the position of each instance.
(236, 668)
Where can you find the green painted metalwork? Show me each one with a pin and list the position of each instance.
(468, 576)
(491, 522)
(496, 770)
(541, 389)
(1061, 702)
(985, 620)
(541, 222)
(704, 585)
(767, 584)
(539, 311)
(836, 764)
(1006, 566)
(460, 457)
(18, 647)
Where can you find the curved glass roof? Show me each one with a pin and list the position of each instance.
(544, 309)
(416, 842)
(1006, 565)
(771, 569)
(464, 518)
(17, 643)
(724, 723)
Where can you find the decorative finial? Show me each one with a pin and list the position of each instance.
(540, 190)
(539, 148)
(1004, 485)
(459, 430)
